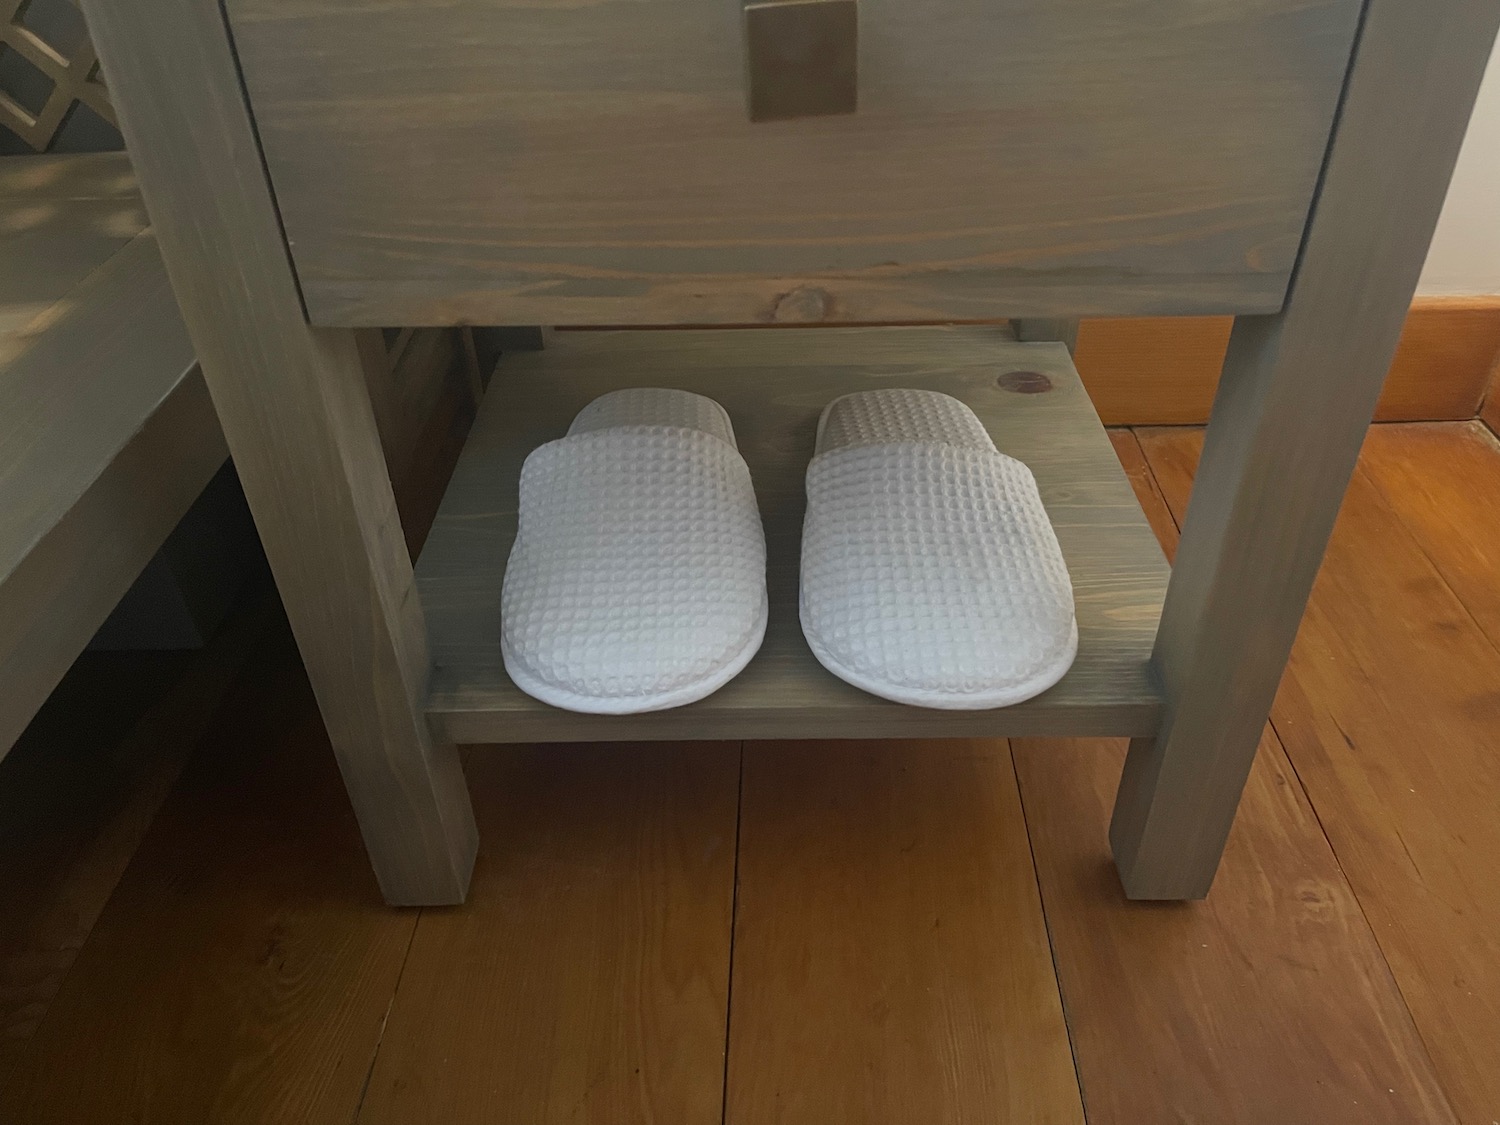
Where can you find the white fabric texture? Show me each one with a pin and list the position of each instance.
(637, 580)
(930, 572)
(654, 406)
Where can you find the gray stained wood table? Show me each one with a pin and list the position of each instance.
(597, 164)
(107, 433)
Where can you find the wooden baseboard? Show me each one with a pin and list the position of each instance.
(1162, 371)
(1489, 412)
(1152, 371)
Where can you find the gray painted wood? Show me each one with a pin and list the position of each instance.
(297, 416)
(60, 223)
(487, 345)
(65, 413)
(409, 385)
(592, 163)
(49, 251)
(187, 590)
(41, 180)
(514, 338)
(1297, 394)
(107, 435)
(774, 383)
(1064, 331)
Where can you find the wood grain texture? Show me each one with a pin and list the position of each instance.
(34, 180)
(77, 794)
(107, 436)
(50, 243)
(774, 384)
(73, 577)
(1448, 355)
(1158, 371)
(243, 968)
(1390, 719)
(1489, 413)
(592, 163)
(1298, 391)
(587, 981)
(80, 393)
(890, 958)
(413, 390)
(1128, 449)
(296, 412)
(1162, 371)
(1064, 331)
(1443, 481)
(1270, 1002)
(47, 250)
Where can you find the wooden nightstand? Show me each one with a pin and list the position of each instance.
(316, 167)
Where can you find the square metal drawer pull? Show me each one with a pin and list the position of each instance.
(801, 58)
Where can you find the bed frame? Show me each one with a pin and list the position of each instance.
(107, 433)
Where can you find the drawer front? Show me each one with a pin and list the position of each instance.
(593, 161)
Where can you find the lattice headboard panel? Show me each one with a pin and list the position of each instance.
(72, 69)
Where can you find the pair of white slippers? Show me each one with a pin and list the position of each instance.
(930, 571)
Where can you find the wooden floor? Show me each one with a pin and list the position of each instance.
(873, 933)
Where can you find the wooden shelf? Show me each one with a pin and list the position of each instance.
(774, 382)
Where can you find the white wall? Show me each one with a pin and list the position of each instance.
(1465, 256)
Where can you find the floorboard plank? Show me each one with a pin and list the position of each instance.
(890, 960)
(1390, 714)
(78, 793)
(1271, 1002)
(1443, 481)
(587, 979)
(242, 969)
(1147, 491)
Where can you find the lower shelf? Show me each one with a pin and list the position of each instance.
(774, 382)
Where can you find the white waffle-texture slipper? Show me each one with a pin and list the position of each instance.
(637, 581)
(930, 572)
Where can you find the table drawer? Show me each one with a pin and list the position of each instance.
(593, 161)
